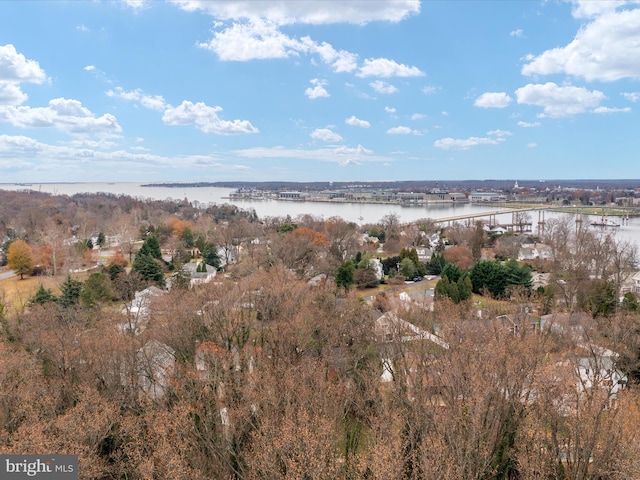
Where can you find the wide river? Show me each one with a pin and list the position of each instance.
(354, 212)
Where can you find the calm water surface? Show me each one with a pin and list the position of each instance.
(354, 212)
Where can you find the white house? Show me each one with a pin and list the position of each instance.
(155, 364)
(139, 309)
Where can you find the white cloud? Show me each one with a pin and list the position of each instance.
(339, 60)
(342, 155)
(89, 68)
(493, 100)
(445, 113)
(67, 115)
(318, 90)
(152, 102)
(389, 109)
(418, 116)
(11, 94)
(605, 49)
(326, 135)
(383, 87)
(532, 145)
(559, 101)
(135, 4)
(517, 33)
(611, 110)
(384, 67)
(631, 96)
(59, 161)
(465, 144)
(356, 122)
(206, 119)
(500, 133)
(429, 90)
(308, 12)
(257, 39)
(14, 67)
(528, 124)
(402, 130)
(591, 8)
(82, 28)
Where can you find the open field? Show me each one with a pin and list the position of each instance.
(15, 293)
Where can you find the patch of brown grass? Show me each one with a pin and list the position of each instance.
(15, 293)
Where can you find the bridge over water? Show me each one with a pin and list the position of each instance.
(493, 213)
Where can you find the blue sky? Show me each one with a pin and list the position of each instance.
(318, 90)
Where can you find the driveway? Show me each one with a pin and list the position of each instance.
(7, 274)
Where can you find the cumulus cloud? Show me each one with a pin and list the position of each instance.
(383, 87)
(326, 135)
(339, 60)
(318, 90)
(631, 96)
(402, 130)
(429, 90)
(64, 114)
(591, 9)
(516, 33)
(466, 143)
(14, 67)
(606, 49)
(389, 109)
(493, 100)
(257, 39)
(89, 68)
(205, 118)
(532, 145)
(418, 116)
(356, 122)
(528, 124)
(11, 94)
(153, 102)
(384, 67)
(559, 101)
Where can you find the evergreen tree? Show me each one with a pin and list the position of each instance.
(452, 271)
(211, 256)
(96, 289)
(42, 296)
(70, 292)
(465, 288)
(517, 275)
(436, 264)
(151, 247)
(407, 268)
(489, 275)
(149, 268)
(101, 240)
(345, 274)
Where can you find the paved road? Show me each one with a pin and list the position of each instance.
(7, 274)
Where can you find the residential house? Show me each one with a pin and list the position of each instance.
(137, 311)
(155, 364)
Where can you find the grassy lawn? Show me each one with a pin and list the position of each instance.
(15, 293)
